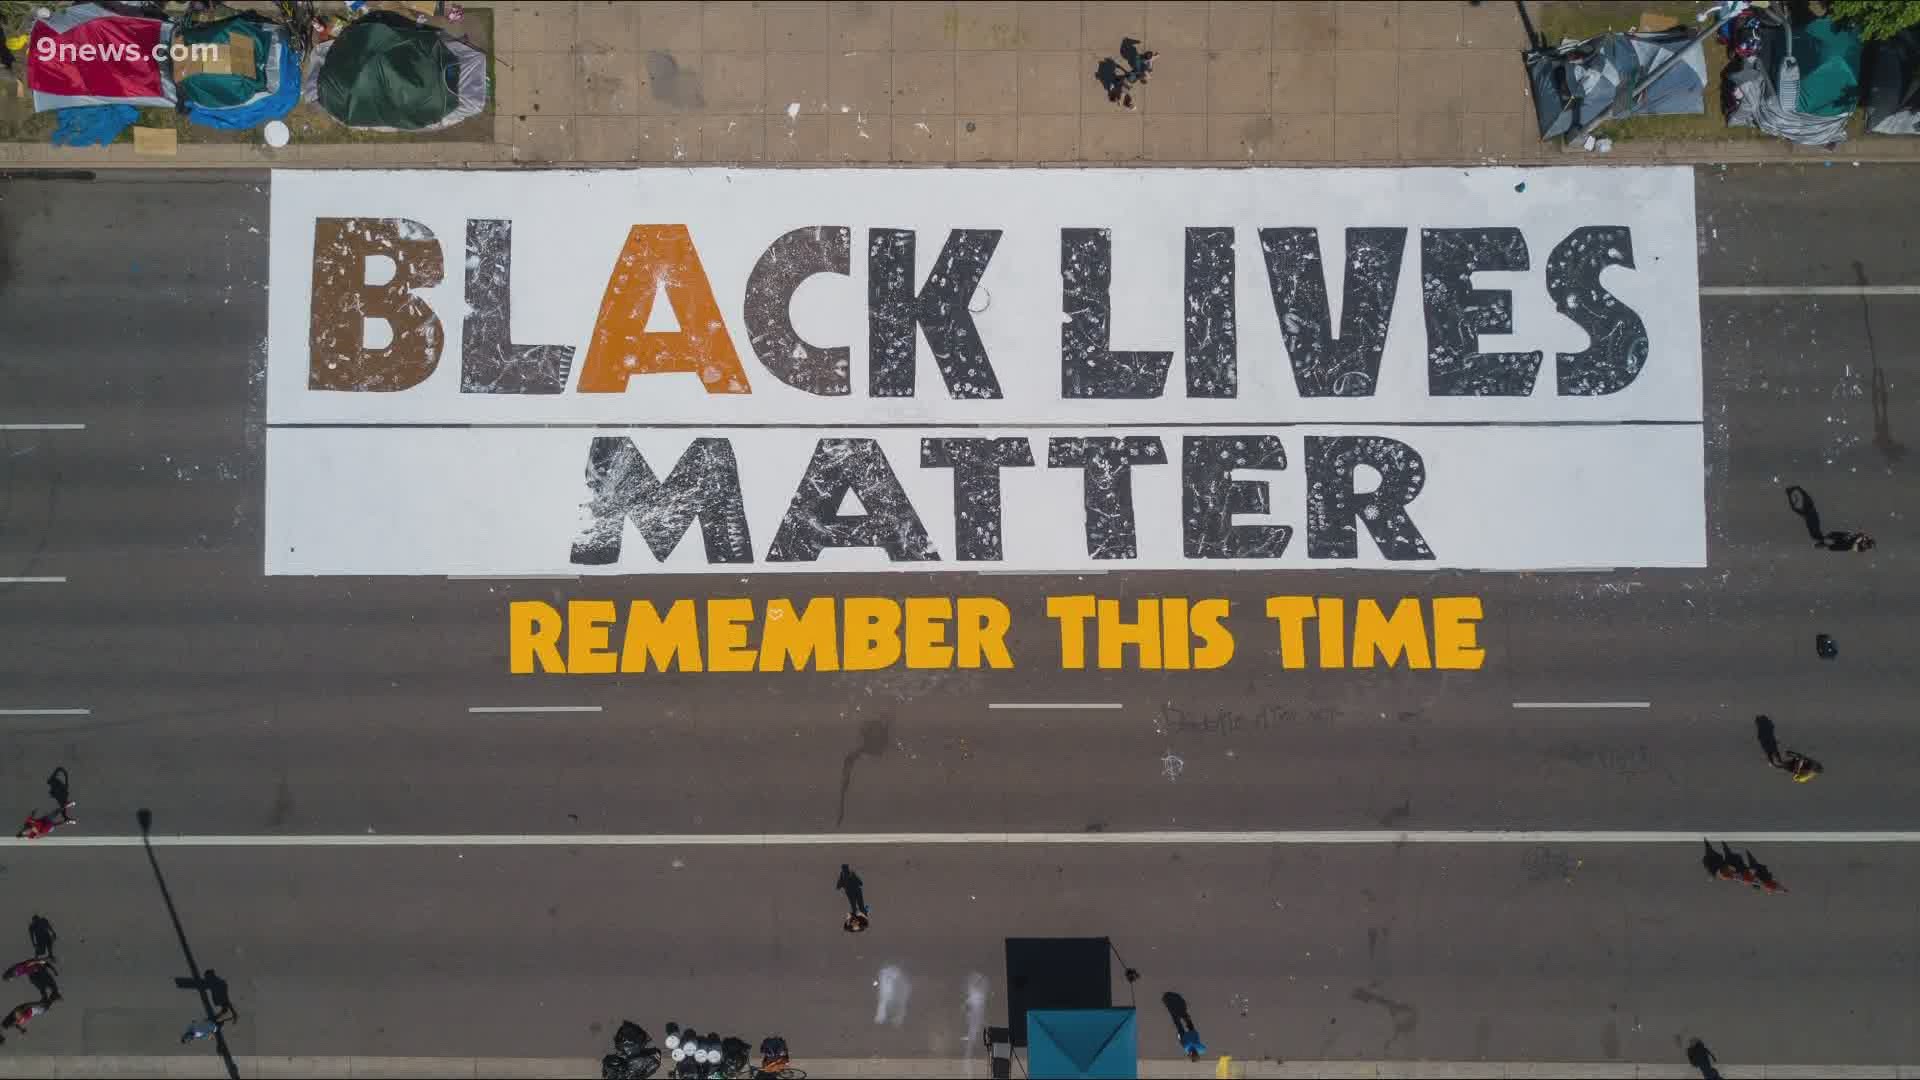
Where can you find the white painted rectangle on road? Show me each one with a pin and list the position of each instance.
(549, 501)
(874, 369)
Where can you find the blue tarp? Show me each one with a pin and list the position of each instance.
(92, 125)
(254, 113)
(1082, 1044)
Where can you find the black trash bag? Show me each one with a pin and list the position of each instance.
(631, 1040)
(638, 1067)
(734, 1054)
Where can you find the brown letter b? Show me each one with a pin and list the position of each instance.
(342, 301)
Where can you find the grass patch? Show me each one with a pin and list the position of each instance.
(309, 123)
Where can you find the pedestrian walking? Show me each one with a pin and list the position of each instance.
(42, 978)
(217, 992)
(1139, 64)
(40, 934)
(199, 1029)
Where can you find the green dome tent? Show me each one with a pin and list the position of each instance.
(387, 73)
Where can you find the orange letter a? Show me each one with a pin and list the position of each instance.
(657, 255)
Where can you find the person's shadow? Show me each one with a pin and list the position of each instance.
(1802, 504)
(1177, 1008)
(1712, 860)
(1702, 1058)
(1763, 730)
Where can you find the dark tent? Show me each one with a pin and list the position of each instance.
(385, 71)
(1893, 85)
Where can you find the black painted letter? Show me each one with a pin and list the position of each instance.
(976, 465)
(1619, 337)
(1213, 338)
(1087, 368)
(1107, 465)
(490, 363)
(704, 486)
(1333, 504)
(939, 309)
(814, 522)
(1325, 365)
(783, 267)
(1212, 497)
(1458, 313)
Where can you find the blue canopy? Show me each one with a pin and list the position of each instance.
(1082, 1044)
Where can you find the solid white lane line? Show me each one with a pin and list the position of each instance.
(513, 577)
(1302, 837)
(531, 708)
(46, 712)
(33, 581)
(1056, 705)
(1583, 704)
(43, 427)
(1810, 290)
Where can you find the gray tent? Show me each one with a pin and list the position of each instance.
(1576, 81)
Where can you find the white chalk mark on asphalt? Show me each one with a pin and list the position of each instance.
(1030, 705)
(1295, 837)
(43, 427)
(46, 712)
(891, 992)
(1810, 290)
(531, 708)
(1583, 704)
(33, 581)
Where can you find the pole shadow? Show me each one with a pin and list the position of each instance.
(197, 982)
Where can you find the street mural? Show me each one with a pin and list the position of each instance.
(723, 371)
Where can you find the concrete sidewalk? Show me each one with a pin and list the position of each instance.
(997, 81)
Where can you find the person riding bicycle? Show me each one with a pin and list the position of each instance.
(1801, 767)
(39, 825)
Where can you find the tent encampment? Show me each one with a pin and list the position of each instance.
(1802, 84)
(254, 78)
(1576, 81)
(1083, 1044)
(87, 55)
(388, 73)
(1893, 85)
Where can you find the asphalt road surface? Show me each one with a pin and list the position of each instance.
(231, 704)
